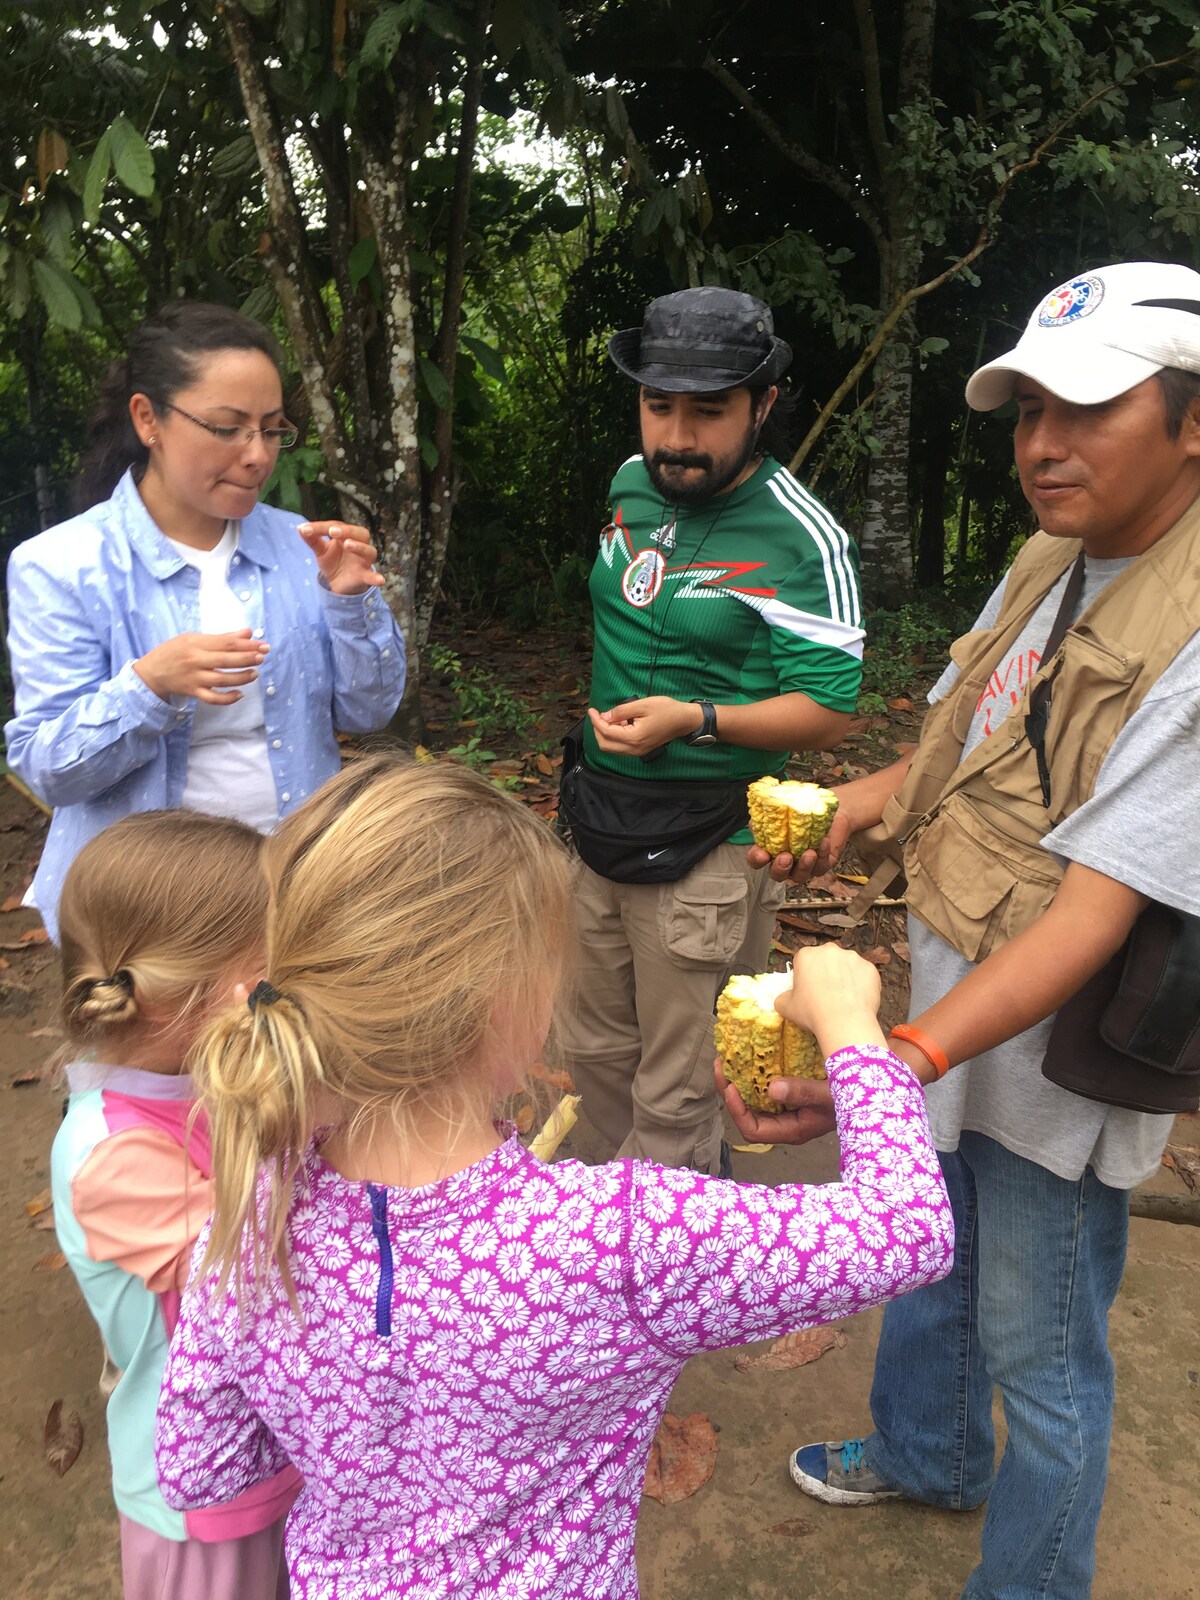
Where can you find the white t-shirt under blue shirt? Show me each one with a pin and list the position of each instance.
(1140, 827)
(228, 772)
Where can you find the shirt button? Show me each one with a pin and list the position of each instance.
(285, 795)
(276, 744)
(258, 632)
(270, 688)
(385, 654)
(245, 594)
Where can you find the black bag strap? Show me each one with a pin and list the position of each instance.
(1037, 718)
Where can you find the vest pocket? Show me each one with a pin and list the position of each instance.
(974, 885)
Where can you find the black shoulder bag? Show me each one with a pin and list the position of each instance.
(1131, 1036)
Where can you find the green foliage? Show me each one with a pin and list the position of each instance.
(483, 703)
(904, 646)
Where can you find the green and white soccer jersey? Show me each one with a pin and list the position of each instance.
(751, 595)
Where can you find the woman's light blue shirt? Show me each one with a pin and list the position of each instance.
(91, 596)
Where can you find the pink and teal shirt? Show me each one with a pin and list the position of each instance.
(131, 1192)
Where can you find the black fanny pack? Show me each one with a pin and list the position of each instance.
(1131, 1036)
(637, 830)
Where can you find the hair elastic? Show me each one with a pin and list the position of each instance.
(263, 994)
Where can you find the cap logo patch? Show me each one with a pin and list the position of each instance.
(1069, 302)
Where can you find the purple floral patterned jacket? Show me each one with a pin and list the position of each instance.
(481, 1365)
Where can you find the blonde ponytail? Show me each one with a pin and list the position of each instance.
(257, 1071)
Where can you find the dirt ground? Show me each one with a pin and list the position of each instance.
(747, 1532)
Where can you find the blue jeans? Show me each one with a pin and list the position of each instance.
(1038, 1261)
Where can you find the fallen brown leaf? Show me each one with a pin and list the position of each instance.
(682, 1458)
(42, 1201)
(524, 1118)
(63, 1436)
(24, 1079)
(900, 946)
(837, 919)
(1184, 1163)
(34, 936)
(544, 765)
(4, 963)
(901, 703)
(793, 919)
(13, 903)
(830, 883)
(54, 1262)
(793, 1528)
(793, 1350)
(880, 956)
(45, 1224)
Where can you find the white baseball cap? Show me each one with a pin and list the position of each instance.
(1101, 333)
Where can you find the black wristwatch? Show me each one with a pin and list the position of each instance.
(706, 733)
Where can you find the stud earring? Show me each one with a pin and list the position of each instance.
(153, 439)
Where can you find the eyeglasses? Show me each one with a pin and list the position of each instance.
(281, 438)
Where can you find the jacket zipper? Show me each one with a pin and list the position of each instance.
(379, 1227)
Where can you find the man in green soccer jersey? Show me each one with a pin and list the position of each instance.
(728, 632)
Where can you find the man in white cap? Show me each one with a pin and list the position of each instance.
(728, 632)
(1052, 798)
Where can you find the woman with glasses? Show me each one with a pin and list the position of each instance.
(177, 643)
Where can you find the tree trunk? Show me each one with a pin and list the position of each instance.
(931, 536)
(442, 479)
(886, 552)
(887, 555)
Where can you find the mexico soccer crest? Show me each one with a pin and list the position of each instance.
(643, 577)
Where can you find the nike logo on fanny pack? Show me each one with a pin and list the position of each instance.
(653, 855)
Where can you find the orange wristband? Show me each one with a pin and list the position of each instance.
(933, 1053)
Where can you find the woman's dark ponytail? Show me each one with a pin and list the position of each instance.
(112, 443)
(164, 357)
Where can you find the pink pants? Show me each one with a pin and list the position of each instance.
(154, 1568)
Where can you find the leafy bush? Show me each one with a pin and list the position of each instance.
(491, 709)
(909, 645)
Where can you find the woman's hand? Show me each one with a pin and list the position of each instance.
(345, 555)
(204, 666)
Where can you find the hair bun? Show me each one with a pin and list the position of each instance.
(104, 1001)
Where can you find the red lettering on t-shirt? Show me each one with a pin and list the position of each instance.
(1004, 688)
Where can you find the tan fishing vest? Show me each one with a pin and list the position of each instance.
(969, 833)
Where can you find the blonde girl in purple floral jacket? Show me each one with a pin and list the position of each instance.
(466, 1352)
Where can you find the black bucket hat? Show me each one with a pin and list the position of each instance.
(700, 341)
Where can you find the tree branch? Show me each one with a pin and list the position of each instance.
(873, 85)
(982, 241)
(305, 315)
(829, 177)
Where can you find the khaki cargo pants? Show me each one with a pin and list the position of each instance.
(636, 1024)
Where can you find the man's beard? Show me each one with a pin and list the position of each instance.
(716, 475)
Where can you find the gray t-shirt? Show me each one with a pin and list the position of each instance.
(1140, 827)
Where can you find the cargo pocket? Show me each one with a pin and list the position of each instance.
(964, 888)
(702, 917)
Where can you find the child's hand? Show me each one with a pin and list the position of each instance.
(834, 994)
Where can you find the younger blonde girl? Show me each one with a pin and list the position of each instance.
(155, 913)
(467, 1352)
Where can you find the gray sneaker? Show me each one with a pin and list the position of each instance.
(834, 1472)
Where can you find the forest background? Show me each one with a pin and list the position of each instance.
(444, 207)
